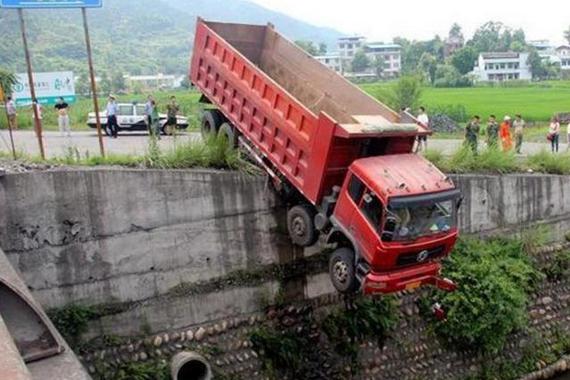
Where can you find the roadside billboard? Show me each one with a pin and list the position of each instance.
(51, 3)
(49, 87)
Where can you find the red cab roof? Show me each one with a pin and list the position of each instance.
(401, 175)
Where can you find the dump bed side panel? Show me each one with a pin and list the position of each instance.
(278, 125)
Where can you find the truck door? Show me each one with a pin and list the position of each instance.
(366, 223)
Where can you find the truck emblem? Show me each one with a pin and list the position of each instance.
(422, 256)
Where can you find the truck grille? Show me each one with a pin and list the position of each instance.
(418, 257)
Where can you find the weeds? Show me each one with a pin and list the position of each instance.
(495, 279)
(497, 161)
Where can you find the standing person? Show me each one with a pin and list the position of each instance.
(472, 133)
(424, 121)
(172, 110)
(519, 125)
(12, 114)
(554, 133)
(148, 111)
(155, 121)
(492, 132)
(505, 133)
(63, 117)
(112, 110)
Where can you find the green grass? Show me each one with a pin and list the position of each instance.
(499, 162)
(212, 153)
(188, 100)
(536, 102)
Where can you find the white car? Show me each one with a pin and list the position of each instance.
(130, 117)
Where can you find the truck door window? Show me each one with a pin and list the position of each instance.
(372, 208)
(355, 189)
(126, 110)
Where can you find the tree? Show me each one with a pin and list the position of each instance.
(360, 62)
(567, 35)
(537, 67)
(428, 65)
(104, 85)
(7, 81)
(379, 64)
(464, 59)
(118, 83)
(406, 93)
(449, 76)
(308, 46)
(455, 32)
(83, 85)
(322, 48)
(488, 37)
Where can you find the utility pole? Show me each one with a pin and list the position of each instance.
(37, 121)
(93, 84)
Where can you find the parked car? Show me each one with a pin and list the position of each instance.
(131, 117)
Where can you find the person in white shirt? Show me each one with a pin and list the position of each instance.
(12, 114)
(423, 119)
(112, 123)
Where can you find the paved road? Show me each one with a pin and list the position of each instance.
(137, 143)
(56, 145)
(448, 147)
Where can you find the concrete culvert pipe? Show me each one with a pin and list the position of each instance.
(190, 366)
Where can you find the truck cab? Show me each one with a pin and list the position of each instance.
(395, 219)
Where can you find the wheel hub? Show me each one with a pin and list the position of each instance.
(299, 226)
(340, 271)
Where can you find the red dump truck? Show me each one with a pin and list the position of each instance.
(342, 160)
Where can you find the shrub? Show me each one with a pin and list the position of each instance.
(71, 321)
(495, 278)
(457, 112)
(547, 162)
(367, 318)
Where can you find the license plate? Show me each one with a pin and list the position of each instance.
(413, 285)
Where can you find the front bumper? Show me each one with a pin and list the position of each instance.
(406, 279)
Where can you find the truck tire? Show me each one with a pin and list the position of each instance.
(342, 270)
(211, 121)
(228, 133)
(301, 225)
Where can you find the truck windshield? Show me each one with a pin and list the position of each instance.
(409, 219)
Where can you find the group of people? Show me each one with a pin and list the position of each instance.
(61, 107)
(151, 115)
(497, 133)
(505, 131)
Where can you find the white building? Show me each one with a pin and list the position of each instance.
(348, 46)
(498, 67)
(391, 54)
(563, 53)
(154, 82)
(332, 61)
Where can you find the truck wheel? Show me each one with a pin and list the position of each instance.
(211, 121)
(301, 225)
(228, 133)
(342, 271)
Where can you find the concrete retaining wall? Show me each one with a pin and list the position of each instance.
(101, 236)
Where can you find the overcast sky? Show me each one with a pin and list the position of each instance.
(421, 19)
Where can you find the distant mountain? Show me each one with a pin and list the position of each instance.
(134, 36)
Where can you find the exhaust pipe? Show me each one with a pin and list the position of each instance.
(189, 365)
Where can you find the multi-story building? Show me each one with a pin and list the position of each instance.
(563, 53)
(348, 46)
(332, 61)
(452, 44)
(498, 67)
(390, 54)
(154, 82)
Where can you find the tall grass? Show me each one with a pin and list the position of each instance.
(496, 161)
(212, 153)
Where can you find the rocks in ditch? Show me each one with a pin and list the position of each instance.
(200, 334)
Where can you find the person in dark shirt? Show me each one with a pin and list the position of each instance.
(63, 117)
